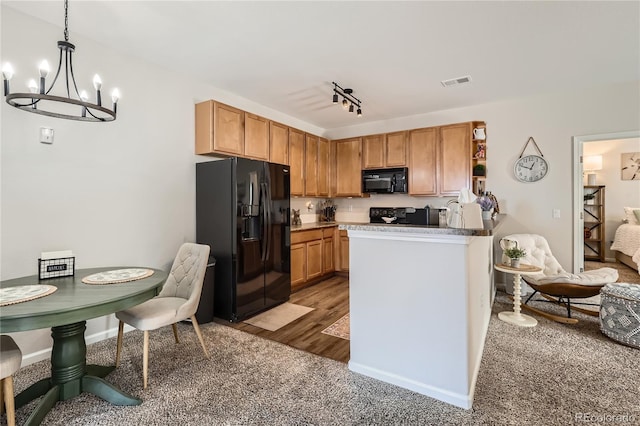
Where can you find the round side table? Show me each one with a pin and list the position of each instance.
(516, 317)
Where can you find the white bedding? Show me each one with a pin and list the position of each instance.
(627, 241)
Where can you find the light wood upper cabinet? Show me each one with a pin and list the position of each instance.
(382, 151)
(439, 161)
(296, 161)
(219, 129)
(396, 149)
(311, 165)
(423, 155)
(324, 167)
(348, 167)
(278, 143)
(373, 151)
(256, 137)
(455, 161)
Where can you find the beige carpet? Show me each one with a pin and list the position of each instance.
(339, 328)
(279, 316)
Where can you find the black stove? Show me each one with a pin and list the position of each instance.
(403, 215)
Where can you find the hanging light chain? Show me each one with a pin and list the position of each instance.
(66, 20)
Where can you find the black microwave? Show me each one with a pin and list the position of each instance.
(385, 181)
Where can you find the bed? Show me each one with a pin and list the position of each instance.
(626, 245)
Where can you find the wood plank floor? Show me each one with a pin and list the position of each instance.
(330, 300)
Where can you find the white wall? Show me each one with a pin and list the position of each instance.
(119, 193)
(618, 193)
(552, 120)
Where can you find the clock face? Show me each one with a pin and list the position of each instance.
(530, 168)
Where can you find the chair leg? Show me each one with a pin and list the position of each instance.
(7, 390)
(196, 327)
(175, 332)
(1, 396)
(119, 342)
(145, 359)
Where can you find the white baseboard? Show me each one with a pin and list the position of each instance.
(459, 400)
(43, 354)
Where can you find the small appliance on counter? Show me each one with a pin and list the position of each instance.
(327, 211)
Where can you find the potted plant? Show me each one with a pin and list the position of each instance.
(479, 170)
(515, 254)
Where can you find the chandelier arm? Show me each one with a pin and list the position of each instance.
(73, 77)
(53, 83)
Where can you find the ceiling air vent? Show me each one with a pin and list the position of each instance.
(456, 81)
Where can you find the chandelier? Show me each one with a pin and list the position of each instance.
(39, 101)
(349, 102)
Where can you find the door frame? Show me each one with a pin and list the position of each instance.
(578, 217)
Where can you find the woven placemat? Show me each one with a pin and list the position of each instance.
(24, 293)
(117, 276)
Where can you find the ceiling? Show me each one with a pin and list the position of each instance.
(394, 55)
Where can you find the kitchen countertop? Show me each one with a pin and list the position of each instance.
(320, 225)
(489, 227)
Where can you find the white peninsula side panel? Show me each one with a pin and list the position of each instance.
(420, 309)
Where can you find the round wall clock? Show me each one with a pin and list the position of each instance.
(530, 168)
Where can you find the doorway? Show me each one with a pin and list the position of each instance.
(578, 190)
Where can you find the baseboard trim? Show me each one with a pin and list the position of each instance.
(459, 400)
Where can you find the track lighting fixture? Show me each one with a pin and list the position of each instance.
(349, 102)
(40, 100)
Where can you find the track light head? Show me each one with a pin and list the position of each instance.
(349, 102)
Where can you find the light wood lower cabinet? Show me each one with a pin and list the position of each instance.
(298, 265)
(312, 256)
(343, 252)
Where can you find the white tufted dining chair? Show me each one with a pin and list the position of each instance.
(178, 300)
(556, 284)
(10, 361)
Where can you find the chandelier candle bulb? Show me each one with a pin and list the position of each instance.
(44, 72)
(97, 84)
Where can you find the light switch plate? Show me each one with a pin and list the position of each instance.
(46, 135)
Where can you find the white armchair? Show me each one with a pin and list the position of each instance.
(178, 300)
(556, 284)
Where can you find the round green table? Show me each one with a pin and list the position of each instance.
(66, 312)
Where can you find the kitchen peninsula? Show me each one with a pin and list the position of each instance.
(420, 303)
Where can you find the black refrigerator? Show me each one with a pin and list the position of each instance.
(242, 213)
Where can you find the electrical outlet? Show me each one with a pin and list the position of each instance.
(556, 213)
(46, 135)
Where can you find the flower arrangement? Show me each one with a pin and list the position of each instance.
(486, 203)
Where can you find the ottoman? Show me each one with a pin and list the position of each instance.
(620, 313)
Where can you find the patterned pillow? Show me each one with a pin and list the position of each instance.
(637, 213)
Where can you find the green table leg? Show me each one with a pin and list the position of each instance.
(101, 388)
(99, 370)
(70, 375)
(44, 406)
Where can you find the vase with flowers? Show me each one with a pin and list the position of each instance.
(487, 205)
